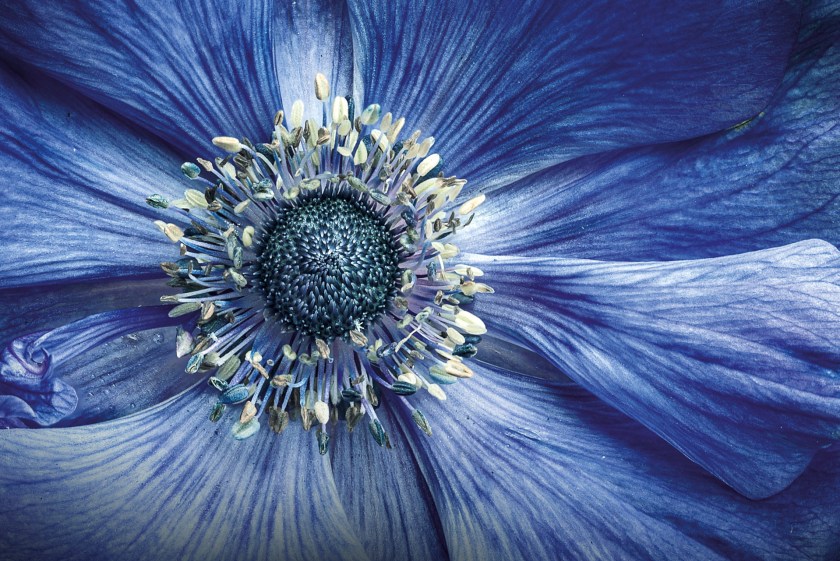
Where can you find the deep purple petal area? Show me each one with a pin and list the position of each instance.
(768, 182)
(187, 71)
(524, 469)
(732, 360)
(508, 89)
(78, 178)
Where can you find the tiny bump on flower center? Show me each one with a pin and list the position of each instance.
(318, 275)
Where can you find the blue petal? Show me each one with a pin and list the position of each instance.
(32, 386)
(315, 38)
(81, 176)
(732, 360)
(169, 484)
(385, 495)
(511, 89)
(769, 182)
(187, 72)
(124, 376)
(520, 469)
(45, 307)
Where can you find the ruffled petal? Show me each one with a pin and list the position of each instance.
(169, 483)
(187, 72)
(522, 469)
(762, 184)
(385, 495)
(80, 178)
(315, 38)
(31, 367)
(732, 360)
(508, 89)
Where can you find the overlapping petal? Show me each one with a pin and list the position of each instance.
(170, 484)
(188, 72)
(511, 88)
(769, 182)
(733, 360)
(521, 469)
(78, 182)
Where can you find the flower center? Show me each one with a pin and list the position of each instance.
(328, 265)
(317, 272)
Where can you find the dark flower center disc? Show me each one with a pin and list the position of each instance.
(328, 265)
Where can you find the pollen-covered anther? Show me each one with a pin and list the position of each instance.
(328, 248)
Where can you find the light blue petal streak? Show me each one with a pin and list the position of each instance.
(169, 484)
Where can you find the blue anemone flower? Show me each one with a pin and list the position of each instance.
(659, 374)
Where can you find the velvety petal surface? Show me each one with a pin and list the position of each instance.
(169, 483)
(33, 390)
(523, 469)
(732, 360)
(765, 183)
(314, 37)
(509, 88)
(79, 178)
(187, 71)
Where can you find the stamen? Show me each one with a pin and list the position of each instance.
(315, 272)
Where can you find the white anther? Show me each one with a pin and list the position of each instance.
(386, 122)
(322, 412)
(395, 130)
(425, 146)
(296, 118)
(447, 251)
(455, 336)
(471, 204)
(470, 323)
(340, 110)
(437, 392)
(322, 87)
(344, 127)
(228, 144)
(240, 208)
(196, 198)
(248, 236)
(371, 114)
(361, 154)
(428, 164)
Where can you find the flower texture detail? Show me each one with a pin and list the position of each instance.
(652, 196)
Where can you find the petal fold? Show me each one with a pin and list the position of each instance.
(509, 89)
(733, 360)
